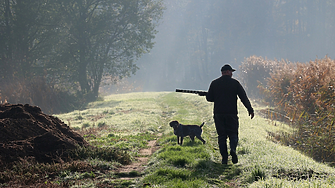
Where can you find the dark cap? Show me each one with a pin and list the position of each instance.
(227, 67)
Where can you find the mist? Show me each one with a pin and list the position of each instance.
(197, 37)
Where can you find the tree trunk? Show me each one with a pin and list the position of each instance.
(84, 87)
(8, 66)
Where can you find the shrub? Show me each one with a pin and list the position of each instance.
(254, 72)
(306, 93)
(37, 91)
(302, 87)
(275, 90)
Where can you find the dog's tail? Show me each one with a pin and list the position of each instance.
(203, 123)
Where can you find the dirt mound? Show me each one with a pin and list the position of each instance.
(25, 131)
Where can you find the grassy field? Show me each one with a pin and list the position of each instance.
(129, 121)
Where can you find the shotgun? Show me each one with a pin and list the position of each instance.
(201, 93)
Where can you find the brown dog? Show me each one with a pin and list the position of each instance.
(187, 130)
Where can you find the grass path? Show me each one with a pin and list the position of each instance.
(262, 162)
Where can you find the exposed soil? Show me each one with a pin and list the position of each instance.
(26, 132)
(141, 162)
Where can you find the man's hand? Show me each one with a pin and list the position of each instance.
(251, 114)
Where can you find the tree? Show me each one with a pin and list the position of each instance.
(26, 31)
(104, 37)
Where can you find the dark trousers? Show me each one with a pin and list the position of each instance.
(226, 127)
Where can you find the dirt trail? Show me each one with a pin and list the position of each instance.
(140, 163)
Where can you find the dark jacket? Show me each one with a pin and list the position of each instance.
(223, 92)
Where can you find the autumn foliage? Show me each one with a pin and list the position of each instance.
(305, 93)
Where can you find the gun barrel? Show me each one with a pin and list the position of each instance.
(190, 91)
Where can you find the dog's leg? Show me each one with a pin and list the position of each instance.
(203, 141)
(181, 140)
(192, 138)
(178, 139)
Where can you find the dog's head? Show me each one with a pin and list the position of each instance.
(174, 124)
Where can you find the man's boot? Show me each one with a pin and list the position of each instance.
(234, 157)
(224, 161)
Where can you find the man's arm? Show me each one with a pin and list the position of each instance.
(244, 98)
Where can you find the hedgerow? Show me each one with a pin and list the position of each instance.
(304, 92)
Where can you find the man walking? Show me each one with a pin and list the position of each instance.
(223, 91)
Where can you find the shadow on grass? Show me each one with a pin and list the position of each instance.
(205, 171)
(187, 141)
(216, 170)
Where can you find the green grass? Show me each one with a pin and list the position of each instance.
(129, 121)
(123, 112)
